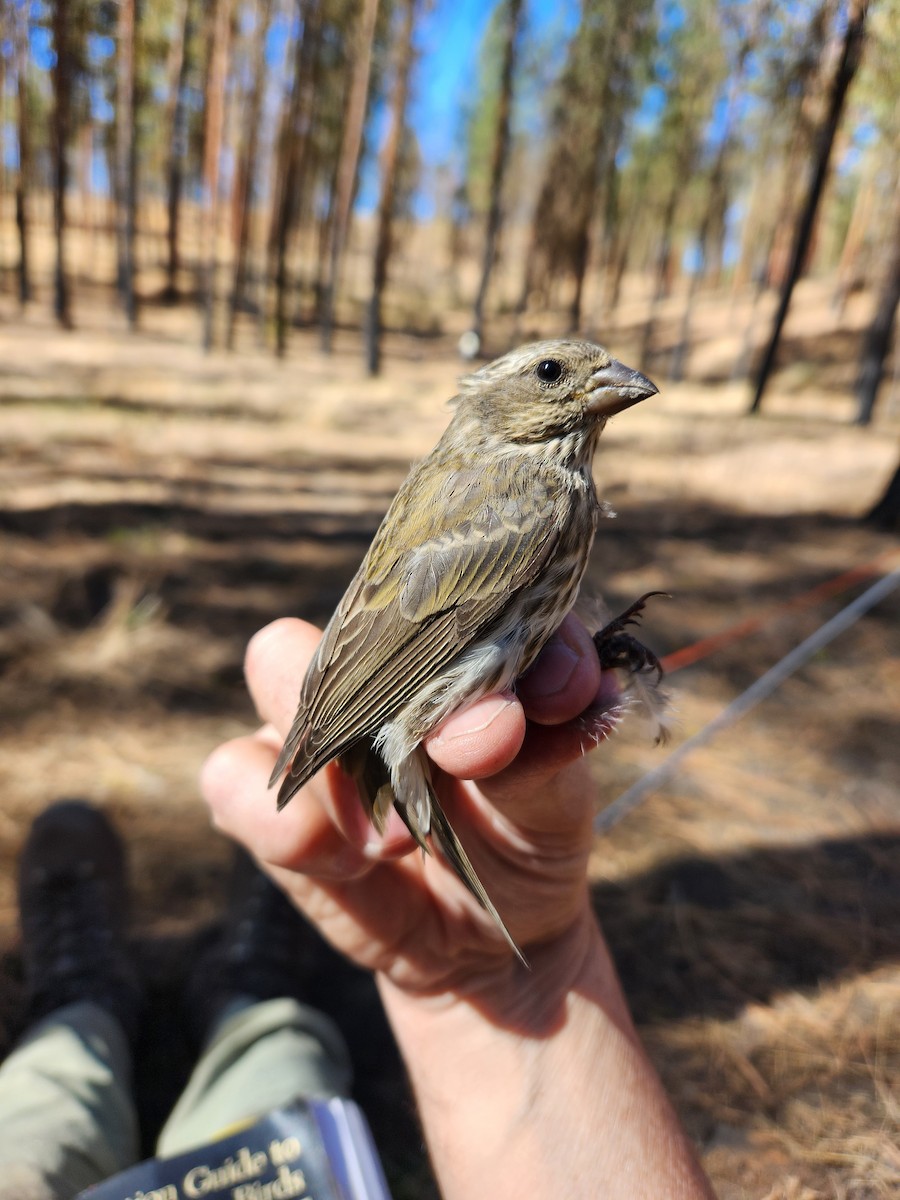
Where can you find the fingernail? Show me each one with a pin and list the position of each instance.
(555, 668)
(483, 715)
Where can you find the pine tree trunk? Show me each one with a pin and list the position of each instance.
(281, 162)
(617, 262)
(661, 281)
(390, 159)
(499, 159)
(292, 156)
(61, 76)
(212, 157)
(603, 152)
(877, 341)
(23, 175)
(680, 354)
(799, 92)
(715, 188)
(850, 272)
(886, 511)
(126, 157)
(851, 52)
(174, 125)
(348, 165)
(246, 171)
(605, 142)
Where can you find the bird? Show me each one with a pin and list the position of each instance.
(476, 563)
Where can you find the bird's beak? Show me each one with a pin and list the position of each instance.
(616, 387)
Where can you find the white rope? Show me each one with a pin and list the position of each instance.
(758, 691)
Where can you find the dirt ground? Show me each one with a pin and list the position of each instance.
(157, 506)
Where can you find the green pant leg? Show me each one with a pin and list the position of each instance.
(261, 1055)
(67, 1117)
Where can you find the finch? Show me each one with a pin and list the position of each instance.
(475, 565)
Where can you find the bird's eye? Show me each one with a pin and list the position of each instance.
(549, 370)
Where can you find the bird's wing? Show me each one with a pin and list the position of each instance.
(445, 563)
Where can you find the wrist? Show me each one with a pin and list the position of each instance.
(478, 1057)
(527, 1079)
(525, 1001)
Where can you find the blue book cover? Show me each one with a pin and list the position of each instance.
(310, 1150)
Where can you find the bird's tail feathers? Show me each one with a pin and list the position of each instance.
(452, 849)
(418, 806)
(412, 792)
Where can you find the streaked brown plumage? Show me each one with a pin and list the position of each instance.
(478, 560)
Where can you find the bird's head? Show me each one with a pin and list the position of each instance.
(550, 389)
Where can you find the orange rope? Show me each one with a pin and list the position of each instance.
(831, 587)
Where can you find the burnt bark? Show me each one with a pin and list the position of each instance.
(212, 159)
(499, 160)
(390, 161)
(877, 341)
(851, 53)
(176, 74)
(348, 165)
(246, 168)
(61, 77)
(23, 175)
(293, 151)
(126, 157)
(886, 511)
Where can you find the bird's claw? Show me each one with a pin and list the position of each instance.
(617, 648)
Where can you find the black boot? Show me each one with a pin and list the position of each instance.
(72, 903)
(265, 949)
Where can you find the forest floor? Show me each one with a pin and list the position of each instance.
(158, 505)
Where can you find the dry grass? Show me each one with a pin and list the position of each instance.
(157, 506)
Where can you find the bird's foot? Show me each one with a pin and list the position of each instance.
(617, 648)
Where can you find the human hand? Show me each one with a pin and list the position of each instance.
(526, 822)
(564, 1089)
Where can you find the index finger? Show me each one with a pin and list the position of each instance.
(275, 664)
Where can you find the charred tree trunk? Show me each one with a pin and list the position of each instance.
(126, 157)
(621, 242)
(851, 52)
(716, 199)
(390, 160)
(605, 142)
(292, 162)
(851, 272)
(23, 175)
(886, 511)
(348, 165)
(605, 168)
(61, 76)
(662, 280)
(803, 88)
(212, 159)
(175, 133)
(246, 170)
(713, 205)
(877, 342)
(499, 159)
(281, 172)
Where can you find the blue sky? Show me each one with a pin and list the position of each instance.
(448, 37)
(448, 40)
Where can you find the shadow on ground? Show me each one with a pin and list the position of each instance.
(698, 937)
